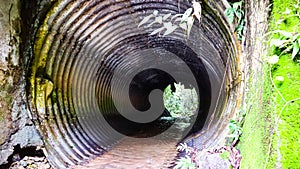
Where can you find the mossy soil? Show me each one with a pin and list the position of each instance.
(271, 132)
(287, 107)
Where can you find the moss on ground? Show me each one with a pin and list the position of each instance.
(289, 114)
(267, 142)
(287, 138)
(254, 140)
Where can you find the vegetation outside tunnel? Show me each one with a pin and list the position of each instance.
(271, 135)
(286, 76)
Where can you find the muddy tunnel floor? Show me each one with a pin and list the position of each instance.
(96, 79)
(137, 153)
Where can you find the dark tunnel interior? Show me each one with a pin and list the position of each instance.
(146, 81)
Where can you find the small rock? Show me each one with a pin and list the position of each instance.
(16, 157)
(47, 166)
(25, 158)
(29, 161)
(23, 163)
(39, 159)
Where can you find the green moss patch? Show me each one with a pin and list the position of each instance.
(286, 76)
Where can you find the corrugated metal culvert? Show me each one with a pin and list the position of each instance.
(96, 77)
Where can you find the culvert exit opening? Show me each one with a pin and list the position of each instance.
(181, 103)
(95, 77)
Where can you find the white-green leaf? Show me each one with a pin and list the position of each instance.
(175, 16)
(190, 23)
(197, 10)
(239, 15)
(277, 42)
(296, 37)
(157, 31)
(170, 28)
(183, 26)
(186, 15)
(166, 16)
(145, 20)
(296, 47)
(273, 59)
(229, 12)
(284, 33)
(288, 49)
(159, 19)
(237, 5)
(178, 20)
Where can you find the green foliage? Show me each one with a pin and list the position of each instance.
(181, 103)
(185, 163)
(288, 111)
(236, 14)
(287, 43)
(225, 155)
(285, 77)
(285, 38)
(235, 131)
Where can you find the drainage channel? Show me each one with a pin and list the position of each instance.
(96, 82)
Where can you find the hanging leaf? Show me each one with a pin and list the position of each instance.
(273, 60)
(178, 20)
(166, 16)
(229, 12)
(237, 5)
(176, 16)
(145, 20)
(239, 14)
(170, 28)
(296, 47)
(190, 23)
(186, 15)
(197, 10)
(157, 31)
(183, 26)
(159, 19)
(168, 25)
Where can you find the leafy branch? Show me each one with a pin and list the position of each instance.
(286, 42)
(186, 162)
(236, 14)
(169, 23)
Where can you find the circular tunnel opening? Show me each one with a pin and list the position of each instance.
(181, 102)
(97, 77)
(159, 62)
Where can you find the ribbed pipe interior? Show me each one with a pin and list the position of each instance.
(90, 56)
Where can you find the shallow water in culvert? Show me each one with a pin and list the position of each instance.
(132, 153)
